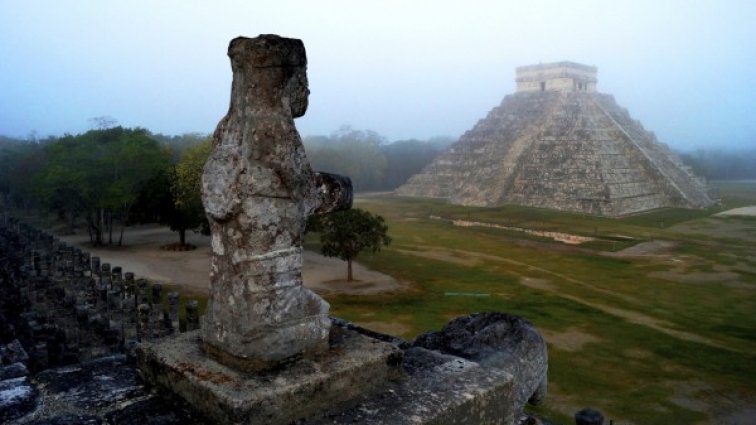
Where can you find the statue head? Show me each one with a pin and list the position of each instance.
(277, 67)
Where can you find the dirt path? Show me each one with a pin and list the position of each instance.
(749, 211)
(141, 254)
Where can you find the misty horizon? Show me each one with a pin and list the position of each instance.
(404, 71)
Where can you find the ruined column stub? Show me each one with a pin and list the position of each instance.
(258, 190)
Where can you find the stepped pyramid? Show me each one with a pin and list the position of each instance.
(557, 143)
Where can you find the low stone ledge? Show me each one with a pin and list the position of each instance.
(479, 369)
(497, 341)
(106, 390)
(439, 389)
(353, 366)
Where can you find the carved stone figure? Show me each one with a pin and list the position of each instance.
(258, 190)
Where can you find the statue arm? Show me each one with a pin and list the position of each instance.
(333, 192)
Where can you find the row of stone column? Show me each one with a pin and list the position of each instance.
(72, 306)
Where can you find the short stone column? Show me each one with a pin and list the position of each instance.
(95, 266)
(192, 315)
(173, 310)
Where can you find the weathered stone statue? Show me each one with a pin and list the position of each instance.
(258, 190)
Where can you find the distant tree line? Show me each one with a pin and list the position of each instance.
(107, 178)
(110, 177)
(723, 164)
(369, 160)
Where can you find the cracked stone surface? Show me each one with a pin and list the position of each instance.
(258, 190)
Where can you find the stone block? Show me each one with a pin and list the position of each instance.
(479, 369)
(17, 397)
(440, 389)
(353, 365)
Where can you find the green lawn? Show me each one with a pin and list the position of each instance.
(668, 338)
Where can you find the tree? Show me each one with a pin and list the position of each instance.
(99, 173)
(186, 182)
(345, 234)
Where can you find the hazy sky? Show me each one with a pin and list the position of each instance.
(406, 69)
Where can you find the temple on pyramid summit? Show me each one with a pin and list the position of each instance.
(558, 143)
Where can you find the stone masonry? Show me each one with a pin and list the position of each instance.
(561, 146)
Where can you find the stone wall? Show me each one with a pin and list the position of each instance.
(558, 76)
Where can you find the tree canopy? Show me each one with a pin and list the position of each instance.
(98, 174)
(186, 190)
(345, 234)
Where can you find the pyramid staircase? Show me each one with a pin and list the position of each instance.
(572, 151)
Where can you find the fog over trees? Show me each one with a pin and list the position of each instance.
(110, 177)
(107, 178)
(720, 164)
(369, 159)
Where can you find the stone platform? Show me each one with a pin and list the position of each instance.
(439, 389)
(353, 366)
(479, 369)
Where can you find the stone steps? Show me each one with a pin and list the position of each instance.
(571, 151)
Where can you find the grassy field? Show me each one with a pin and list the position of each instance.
(666, 335)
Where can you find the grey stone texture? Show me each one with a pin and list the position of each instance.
(106, 390)
(353, 365)
(258, 190)
(500, 341)
(571, 151)
(480, 369)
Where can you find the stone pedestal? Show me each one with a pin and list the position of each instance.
(353, 366)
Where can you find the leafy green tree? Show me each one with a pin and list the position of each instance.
(186, 184)
(345, 234)
(99, 174)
